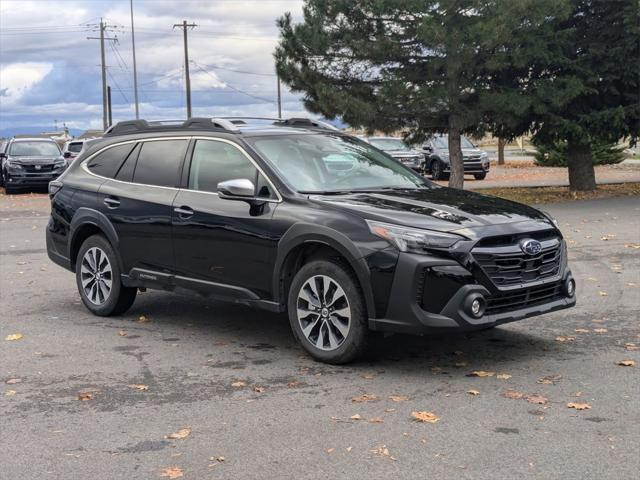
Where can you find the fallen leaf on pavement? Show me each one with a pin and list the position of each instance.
(627, 363)
(503, 376)
(13, 336)
(537, 399)
(239, 384)
(582, 330)
(122, 333)
(424, 417)
(349, 449)
(84, 396)
(602, 293)
(632, 245)
(10, 393)
(258, 389)
(355, 417)
(389, 410)
(139, 386)
(549, 379)
(184, 432)
(368, 376)
(383, 451)
(398, 398)
(600, 330)
(329, 450)
(579, 406)
(143, 319)
(513, 394)
(480, 373)
(462, 364)
(630, 346)
(364, 398)
(473, 392)
(172, 472)
(13, 381)
(293, 384)
(376, 420)
(564, 338)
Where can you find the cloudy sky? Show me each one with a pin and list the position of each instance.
(50, 71)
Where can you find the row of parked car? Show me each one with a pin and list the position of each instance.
(32, 162)
(28, 162)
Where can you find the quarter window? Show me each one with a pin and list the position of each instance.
(214, 162)
(159, 161)
(107, 163)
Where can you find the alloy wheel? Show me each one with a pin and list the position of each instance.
(323, 312)
(96, 276)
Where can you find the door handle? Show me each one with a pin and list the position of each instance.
(111, 202)
(183, 212)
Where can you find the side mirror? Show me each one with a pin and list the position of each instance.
(427, 148)
(237, 189)
(67, 155)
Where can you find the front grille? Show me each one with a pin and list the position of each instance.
(507, 265)
(526, 297)
(33, 169)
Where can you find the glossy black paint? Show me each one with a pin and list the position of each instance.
(247, 251)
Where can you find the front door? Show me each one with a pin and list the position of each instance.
(225, 244)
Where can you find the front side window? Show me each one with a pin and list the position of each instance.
(159, 161)
(34, 149)
(214, 162)
(316, 163)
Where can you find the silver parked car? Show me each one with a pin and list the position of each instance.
(399, 150)
(436, 149)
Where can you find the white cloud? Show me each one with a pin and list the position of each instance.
(16, 79)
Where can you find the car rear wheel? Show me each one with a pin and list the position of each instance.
(327, 312)
(98, 279)
(480, 176)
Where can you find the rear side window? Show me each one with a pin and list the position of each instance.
(107, 163)
(214, 162)
(75, 147)
(158, 162)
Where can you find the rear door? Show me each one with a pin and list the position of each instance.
(138, 201)
(226, 242)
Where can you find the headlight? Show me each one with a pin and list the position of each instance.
(13, 165)
(413, 240)
(484, 155)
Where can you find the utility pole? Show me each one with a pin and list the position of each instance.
(184, 25)
(110, 116)
(102, 38)
(135, 72)
(279, 99)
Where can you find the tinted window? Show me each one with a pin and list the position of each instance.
(106, 164)
(75, 147)
(214, 162)
(158, 162)
(126, 170)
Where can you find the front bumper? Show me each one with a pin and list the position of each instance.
(470, 167)
(25, 179)
(449, 296)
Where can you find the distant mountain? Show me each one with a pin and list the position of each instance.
(11, 131)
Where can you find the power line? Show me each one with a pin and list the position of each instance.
(218, 67)
(103, 27)
(117, 86)
(232, 87)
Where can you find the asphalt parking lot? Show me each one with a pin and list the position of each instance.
(89, 397)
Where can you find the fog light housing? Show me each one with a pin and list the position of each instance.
(570, 287)
(475, 305)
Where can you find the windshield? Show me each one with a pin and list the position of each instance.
(389, 144)
(329, 163)
(34, 149)
(442, 142)
(75, 147)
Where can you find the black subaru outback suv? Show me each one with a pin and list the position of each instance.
(291, 215)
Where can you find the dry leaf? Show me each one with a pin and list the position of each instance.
(632, 245)
(582, 330)
(389, 410)
(13, 336)
(139, 386)
(564, 338)
(122, 333)
(473, 392)
(630, 346)
(368, 376)
(10, 393)
(258, 389)
(355, 417)
(537, 399)
(462, 364)
(627, 363)
(512, 394)
(239, 384)
(364, 398)
(348, 449)
(549, 379)
(293, 384)
(329, 450)
(424, 417)
(383, 451)
(84, 396)
(480, 373)
(376, 420)
(602, 293)
(600, 330)
(13, 381)
(184, 432)
(503, 376)
(579, 406)
(143, 319)
(398, 398)
(172, 472)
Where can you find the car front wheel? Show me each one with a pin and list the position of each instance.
(437, 170)
(98, 279)
(327, 312)
(480, 176)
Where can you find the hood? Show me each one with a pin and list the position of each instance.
(35, 160)
(404, 153)
(441, 208)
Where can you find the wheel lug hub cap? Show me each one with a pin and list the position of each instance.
(324, 312)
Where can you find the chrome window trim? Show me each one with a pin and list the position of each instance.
(83, 165)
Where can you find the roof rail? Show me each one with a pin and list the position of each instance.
(289, 122)
(196, 123)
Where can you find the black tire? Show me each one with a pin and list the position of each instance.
(355, 342)
(119, 298)
(437, 170)
(1, 178)
(480, 176)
